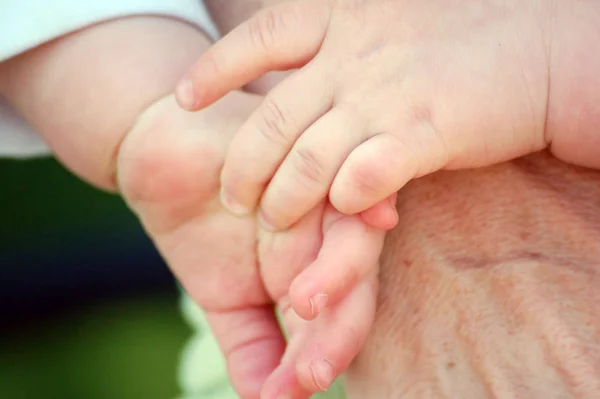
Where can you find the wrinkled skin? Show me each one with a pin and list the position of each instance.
(388, 91)
(487, 284)
(489, 288)
(223, 242)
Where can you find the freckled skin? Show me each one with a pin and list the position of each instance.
(501, 299)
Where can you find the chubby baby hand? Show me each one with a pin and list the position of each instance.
(387, 91)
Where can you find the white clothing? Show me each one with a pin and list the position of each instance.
(25, 24)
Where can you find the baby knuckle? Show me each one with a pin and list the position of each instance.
(274, 122)
(309, 165)
(430, 139)
(367, 178)
(419, 114)
(211, 63)
(263, 29)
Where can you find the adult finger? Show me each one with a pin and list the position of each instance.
(322, 349)
(337, 337)
(283, 255)
(252, 343)
(350, 252)
(383, 215)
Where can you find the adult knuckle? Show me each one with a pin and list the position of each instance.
(309, 165)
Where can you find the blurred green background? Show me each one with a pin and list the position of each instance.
(88, 309)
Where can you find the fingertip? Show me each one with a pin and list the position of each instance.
(339, 199)
(306, 303)
(316, 376)
(393, 199)
(380, 167)
(318, 302)
(391, 220)
(383, 215)
(393, 217)
(186, 95)
(335, 272)
(336, 338)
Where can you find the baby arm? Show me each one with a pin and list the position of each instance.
(84, 91)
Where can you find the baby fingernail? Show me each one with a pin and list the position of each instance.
(323, 373)
(186, 97)
(232, 205)
(317, 304)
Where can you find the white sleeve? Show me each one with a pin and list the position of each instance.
(25, 24)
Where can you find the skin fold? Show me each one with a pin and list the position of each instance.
(488, 288)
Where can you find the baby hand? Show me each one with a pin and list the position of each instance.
(388, 91)
(168, 172)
